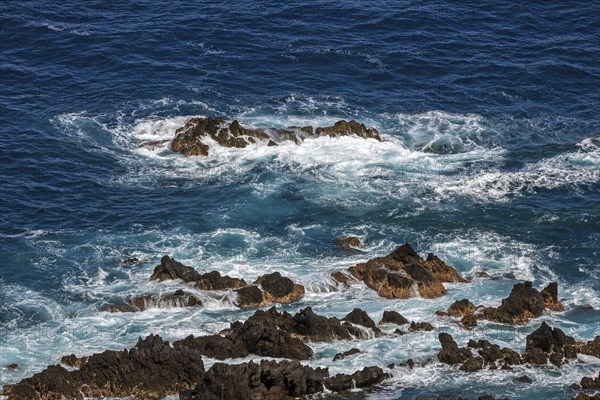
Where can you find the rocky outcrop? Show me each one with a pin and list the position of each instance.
(591, 383)
(549, 344)
(359, 317)
(194, 138)
(283, 380)
(178, 298)
(341, 356)
(73, 361)
(343, 278)
(273, 334)
(403, 274)
(350, 243)
(591, 348)
(171, 269)
(393, 317)
(523, 303)
(279, 289)
(152, 369)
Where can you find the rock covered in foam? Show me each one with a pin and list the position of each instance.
(194, 137)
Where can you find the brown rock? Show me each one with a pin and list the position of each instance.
(279, 289)
(178, 298)
(350, 242)
(344, 279)
(341, 356)
(461, 308)
(591, 348)
(393, 317)
(550, 297)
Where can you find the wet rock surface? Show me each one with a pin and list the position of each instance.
(549, 344)
(350, 243)
(341, 356)
(393, 317)
(152, 369)
(195, 137)
(179, 298)
(170, 269)
(403, 274)
(591, 348)
(272, 380)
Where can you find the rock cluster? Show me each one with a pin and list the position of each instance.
(274, 288)
(179, 298)
(272, 380)
(403, 274)
(171, 269)
(194, 137)
(152, 369)
(273, 334)
(523, 303)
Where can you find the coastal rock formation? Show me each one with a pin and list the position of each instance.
(523, 303)
(549, 344)
(393, 317)
(171, 269)
(344, 278)
(178, 298)
(194, 137)
(283, 380)
(341, 356)
(543, 345)
(152, 369)
(359, 317)
(403, 274)
(591, 348)
(274, 288)
(273, 334)
(350, 243)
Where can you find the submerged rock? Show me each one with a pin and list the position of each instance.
(403, 274)
(178, 298)
(283, 380)
(194, 137)
(341, 356)
(152, 369)
(350, 243)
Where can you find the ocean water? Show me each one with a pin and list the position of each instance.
(490, 159)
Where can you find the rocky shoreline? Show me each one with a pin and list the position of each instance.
(155, 368)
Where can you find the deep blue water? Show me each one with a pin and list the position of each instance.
(512, 89)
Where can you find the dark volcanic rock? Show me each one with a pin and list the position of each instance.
(272, 380)
(461, 308)
(549, 344)
(311, 326)
(192, 139)
(342, 278)
(360, 317)
(73, 361)
(279, 289)
(341, 356)
(178, 298)
(152, 369)
(420, 326)
(171, 269)
(249, 296)
(523, 303)
(350, 242)
(451, 353)
(591, 383)
(591, 348)
(393, 317)
(403, 274)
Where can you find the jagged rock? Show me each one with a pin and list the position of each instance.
(342, 278)
(194, 137)
(350, 242)
(472, 364)
(73, 361)
(403, 274)
(461, 308)
(360, 317)
(171, 269)
(523, 303)
(469, 321)
(393, 317)
(279, 289)
(283, 380)
(152, 369)
(546, 343)
(178, 298)
(273, 334)
(591, 348)
(249, 296)
(550, 297)
(451, 353)
(591, 383)
(585, 396)
(420, 326)
(12, 366)
(341, 356)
